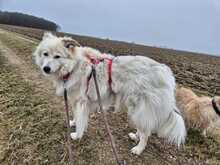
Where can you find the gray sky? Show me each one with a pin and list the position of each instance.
(192, 25)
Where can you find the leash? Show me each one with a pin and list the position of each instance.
(70, 153)
(115, 152)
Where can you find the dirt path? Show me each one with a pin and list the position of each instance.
(14, 60)
(26, 38)
(31, 76)
(32, 94)
(26, 71)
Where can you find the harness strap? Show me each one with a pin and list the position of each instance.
(110, 73)
(96, 62)
(215, 107)
(88, 80)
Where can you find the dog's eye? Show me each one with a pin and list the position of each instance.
(57, 56)
(45, 54)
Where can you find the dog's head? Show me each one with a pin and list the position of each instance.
(54, 52)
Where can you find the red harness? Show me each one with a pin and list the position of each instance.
(96, 62)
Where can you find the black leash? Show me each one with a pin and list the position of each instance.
(70, 153)
(115, 152)
(217, 111)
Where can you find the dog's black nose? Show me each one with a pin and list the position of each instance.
(46, 69)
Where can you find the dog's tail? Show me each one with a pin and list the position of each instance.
(174, 129)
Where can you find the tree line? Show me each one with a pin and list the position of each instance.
(20, 19)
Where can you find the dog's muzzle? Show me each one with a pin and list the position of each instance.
(47, 69)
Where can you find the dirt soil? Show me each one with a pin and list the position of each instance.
(32, 127)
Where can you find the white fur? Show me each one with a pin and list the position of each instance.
(142, 86)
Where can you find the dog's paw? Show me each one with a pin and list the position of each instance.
(74, 136)
(136, 150)
(72, 123)
(133, 136)
(204, 133)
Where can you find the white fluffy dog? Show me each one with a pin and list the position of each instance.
(142, 86)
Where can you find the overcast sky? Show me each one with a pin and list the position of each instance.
(192, 25)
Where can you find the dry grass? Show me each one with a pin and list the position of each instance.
(28, 121)
(33, 131)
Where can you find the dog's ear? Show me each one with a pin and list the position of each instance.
(47, 35)
(70, 43)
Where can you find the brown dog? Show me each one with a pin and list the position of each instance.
(199, 112)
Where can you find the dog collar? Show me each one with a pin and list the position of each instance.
(66, 76)
(215, 107)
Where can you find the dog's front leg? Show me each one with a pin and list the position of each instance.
(117, 105)
(73, 108)
(81, 115)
